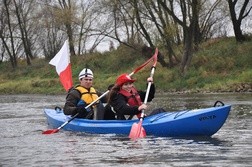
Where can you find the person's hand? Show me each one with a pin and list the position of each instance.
(81, 110)
(110, 86)
(150, 79)
(142, 107)
(81, 103)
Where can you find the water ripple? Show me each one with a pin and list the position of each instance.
(22, 144)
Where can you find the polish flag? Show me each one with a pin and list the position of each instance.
(63, 67)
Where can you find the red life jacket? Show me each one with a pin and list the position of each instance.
(133, 98)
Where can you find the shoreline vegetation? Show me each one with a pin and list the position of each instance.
(220, 66)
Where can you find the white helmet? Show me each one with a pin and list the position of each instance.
(85, 73)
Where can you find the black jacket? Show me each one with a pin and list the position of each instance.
(120, 106)
(72, 99)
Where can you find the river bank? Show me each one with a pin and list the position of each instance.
(222, 66)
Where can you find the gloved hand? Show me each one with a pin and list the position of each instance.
(81, 110)
(81, 103)
(110, 86)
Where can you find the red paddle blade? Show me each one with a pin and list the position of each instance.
(137, 131)
(50, 131)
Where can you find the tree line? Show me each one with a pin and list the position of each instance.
(36, 28)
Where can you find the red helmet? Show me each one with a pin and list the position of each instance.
(124, 78)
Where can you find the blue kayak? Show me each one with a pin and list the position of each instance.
(196, 122)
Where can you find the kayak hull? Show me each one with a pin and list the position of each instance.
(198, 122)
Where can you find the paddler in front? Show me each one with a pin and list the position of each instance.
(82, 95)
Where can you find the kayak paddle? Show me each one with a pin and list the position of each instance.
(137, 130)
(50, 131)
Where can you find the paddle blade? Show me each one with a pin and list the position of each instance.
(50, 131)
(137, 131)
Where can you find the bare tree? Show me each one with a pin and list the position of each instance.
(190, 25)
(84, 25)
(213, 19)
(89, 19)
(51, 36)
(164, 25)
(22, 18)
(18, 27)
(40, 27)
(67, 16)
(159, 22)
(59, 24)
(237, 18)
(118, 23)
(8, 38)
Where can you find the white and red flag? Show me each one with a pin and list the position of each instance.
(63, 66)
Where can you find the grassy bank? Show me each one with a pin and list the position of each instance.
(221, 65)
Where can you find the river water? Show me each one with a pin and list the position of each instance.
(21, 143)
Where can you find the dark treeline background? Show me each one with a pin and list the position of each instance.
(37, 29)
